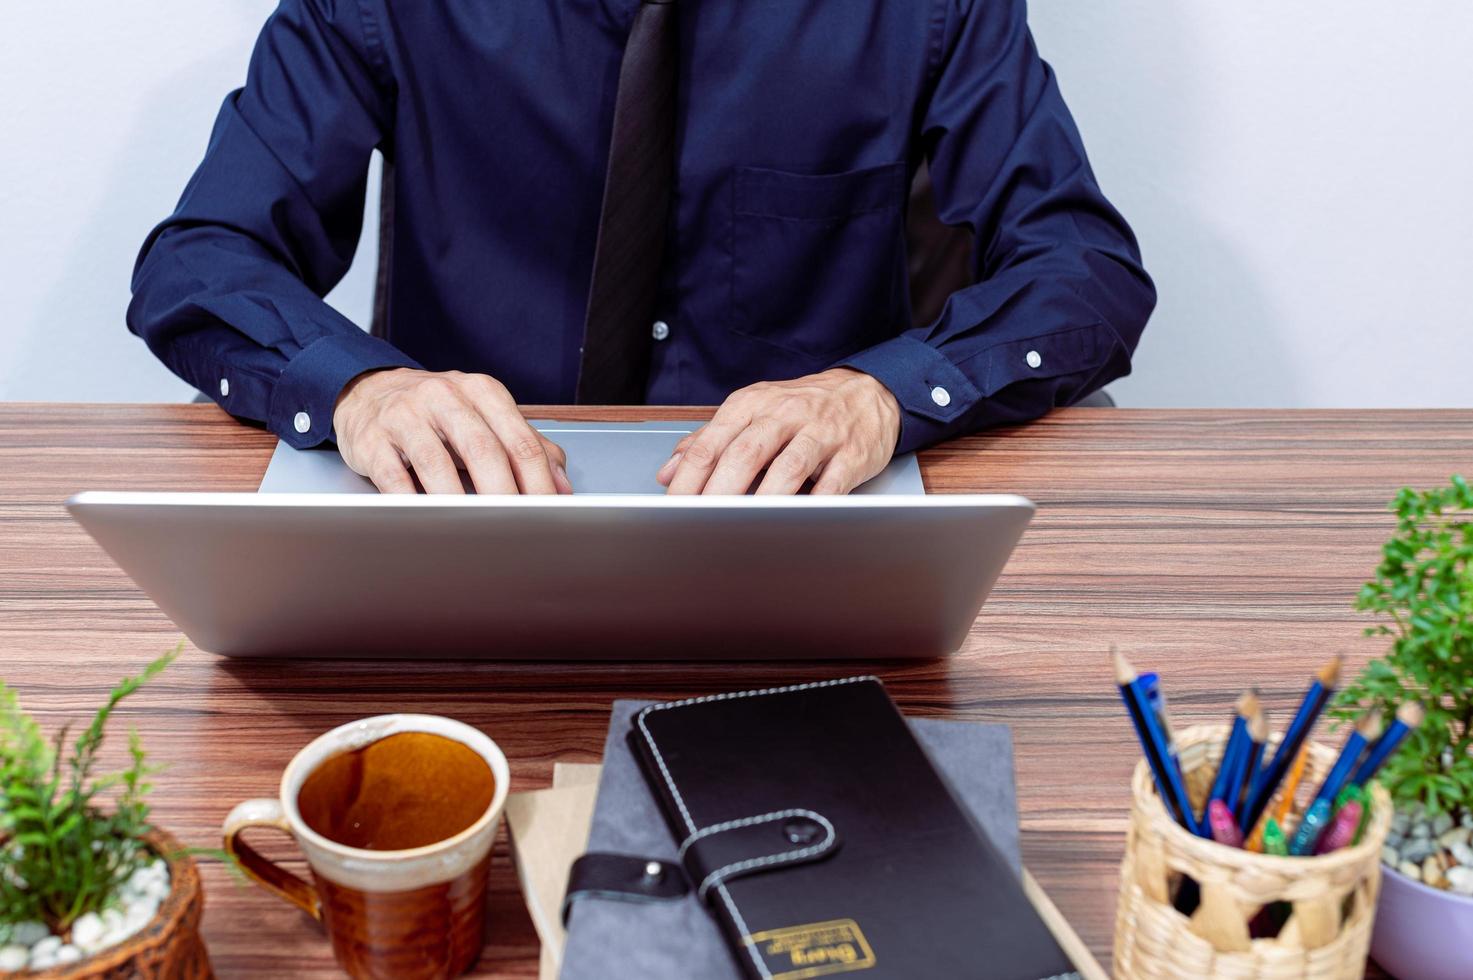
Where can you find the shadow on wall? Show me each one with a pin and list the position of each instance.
(1133, 75)
(72, 356)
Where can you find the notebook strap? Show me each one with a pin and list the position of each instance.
(718, 853)
(624, 878)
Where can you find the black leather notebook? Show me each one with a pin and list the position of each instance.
(824, 841)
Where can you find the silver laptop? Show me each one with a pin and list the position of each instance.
(591, 577)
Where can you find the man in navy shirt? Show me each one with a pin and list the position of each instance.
(781, 290)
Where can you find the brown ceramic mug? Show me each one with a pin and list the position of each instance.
(396, 816)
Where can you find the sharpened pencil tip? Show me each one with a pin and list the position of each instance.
(1247, 704)
(1411, 713)
(1258, 725)
(1124, 672)
(1369, 725)
(1329, 674)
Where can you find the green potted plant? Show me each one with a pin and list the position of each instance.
(88, 887)
(1423, 592)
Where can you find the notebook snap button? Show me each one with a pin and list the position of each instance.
(801, 831)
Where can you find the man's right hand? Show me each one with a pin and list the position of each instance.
(393, 421)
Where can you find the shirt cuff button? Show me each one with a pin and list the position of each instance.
(224, 387)
(302, 423)
(1034, 359)
(660, 330)
(940, 396)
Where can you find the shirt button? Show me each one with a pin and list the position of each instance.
(660, 330)
(224, 387)
(1034, 359)
(303, 423)
(940, 396)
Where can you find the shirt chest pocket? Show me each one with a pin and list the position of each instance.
(818, 260)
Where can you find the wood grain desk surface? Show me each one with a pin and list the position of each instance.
(1221, 547)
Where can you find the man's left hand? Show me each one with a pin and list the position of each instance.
(837, 429)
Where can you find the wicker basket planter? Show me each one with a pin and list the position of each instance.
(168, 948)
(1333, 896)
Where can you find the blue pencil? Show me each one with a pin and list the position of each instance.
(1268, 779)
(1151, 683)
(1158, 753)
(1257, 739)
(1321, 808)
(1234, 756)
(1366, 729)
(1408, 716)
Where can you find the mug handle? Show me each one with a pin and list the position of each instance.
(266, 873)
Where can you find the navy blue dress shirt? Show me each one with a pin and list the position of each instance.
(799, 126)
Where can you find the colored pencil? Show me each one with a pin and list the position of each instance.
(1286, 800)
(1220, 819)
(1365, 731)
(1342, 829)
(1291, 786)
(1315, 699)
(1350, 792)
(1151, 684)
(1257, 739)
(1153, 742)
(1316, 818)
(1408, 716)
(1234, 755)
(1273, 839)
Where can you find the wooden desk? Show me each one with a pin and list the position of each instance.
(1223, 548)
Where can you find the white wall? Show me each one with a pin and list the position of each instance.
(1300, 175)
(105, 111)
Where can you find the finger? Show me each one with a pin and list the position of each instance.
(431, 461)
(387, 471)
(556, 454)
(794, 465)
(663, 475)
(700, 458)
(747, 455)
(524, 445)
(478, 448)
(526, 450)
(840, 475)
(559, 459)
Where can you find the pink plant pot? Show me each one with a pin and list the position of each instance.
(1422, 933)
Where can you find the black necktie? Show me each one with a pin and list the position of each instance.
(631, 227)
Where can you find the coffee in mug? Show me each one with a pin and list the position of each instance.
(396, 815)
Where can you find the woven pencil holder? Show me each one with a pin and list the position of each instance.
(1333, 896)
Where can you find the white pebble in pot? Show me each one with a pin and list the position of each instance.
(88, 931)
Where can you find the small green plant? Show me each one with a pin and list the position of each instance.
(1423, 587)
(63, 853)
